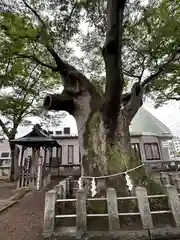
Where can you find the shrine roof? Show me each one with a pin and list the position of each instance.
(37, 137)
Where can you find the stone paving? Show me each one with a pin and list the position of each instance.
(6, 193)
(6, 189)
(24, 220)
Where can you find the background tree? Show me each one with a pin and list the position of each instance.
(23, 82)
(130, 56)
(155, 43)
(21, 98)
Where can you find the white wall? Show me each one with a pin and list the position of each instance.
(4, 146)
(64, 142)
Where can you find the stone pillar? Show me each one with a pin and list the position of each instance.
(112, 209)
(39, 173)
(21, 164)
(174, 203)
(177, 179)
(81, 213)
(49, 213)
(144, 208)
(164, 178)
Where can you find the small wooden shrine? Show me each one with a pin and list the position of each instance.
(34, 170)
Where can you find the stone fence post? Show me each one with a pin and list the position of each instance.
(164, 178)
(144, 208)
(68, 186)
(59, 190)
(112, 209)
(172, 179)
(174, 203)
(63, 183)
(81, 213)
(49, 213)
(177, 180)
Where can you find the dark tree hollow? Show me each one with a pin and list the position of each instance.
(59, 102)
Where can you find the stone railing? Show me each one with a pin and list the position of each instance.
(66, 170)
(145, 212)
(170, 179)
(162, 165)
(61, 191)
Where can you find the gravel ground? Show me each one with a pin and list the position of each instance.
(24, 220)
(6, 190)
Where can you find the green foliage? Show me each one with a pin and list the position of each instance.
(151, 38)
(23, 80)
(23, 96)
(24, 83)
(162, 26)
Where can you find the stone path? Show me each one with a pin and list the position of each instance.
(6, 189)
(6, 193)
(24, 220)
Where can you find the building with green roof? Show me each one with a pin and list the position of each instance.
(144, 123)
(147, 137)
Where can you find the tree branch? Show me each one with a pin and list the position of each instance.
(129, 74)
(169, 97)
(112, 48)
(34, 58)
(47, 45)
(69, 17)
(134, 102)
(143, 68)
(28, 82)
(126, 97)
(65, 69)
(112, 51)
(35, 13)
(69, 73)
(174, 98)
(161, 69)
(4, 128)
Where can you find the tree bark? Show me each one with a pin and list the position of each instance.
(113, 62)
(14, 162)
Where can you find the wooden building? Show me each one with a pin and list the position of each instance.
(34, 170)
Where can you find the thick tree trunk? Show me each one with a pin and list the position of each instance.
(103, 153)
(14, 164)
(100, 158)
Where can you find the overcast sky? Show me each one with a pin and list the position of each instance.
(169, 114)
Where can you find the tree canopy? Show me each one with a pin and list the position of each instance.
(150, 47)
(23, 83)
(150, 50)
(23, 94)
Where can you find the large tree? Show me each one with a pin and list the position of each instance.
(23, 83)
(130, 49)
(20, 98)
